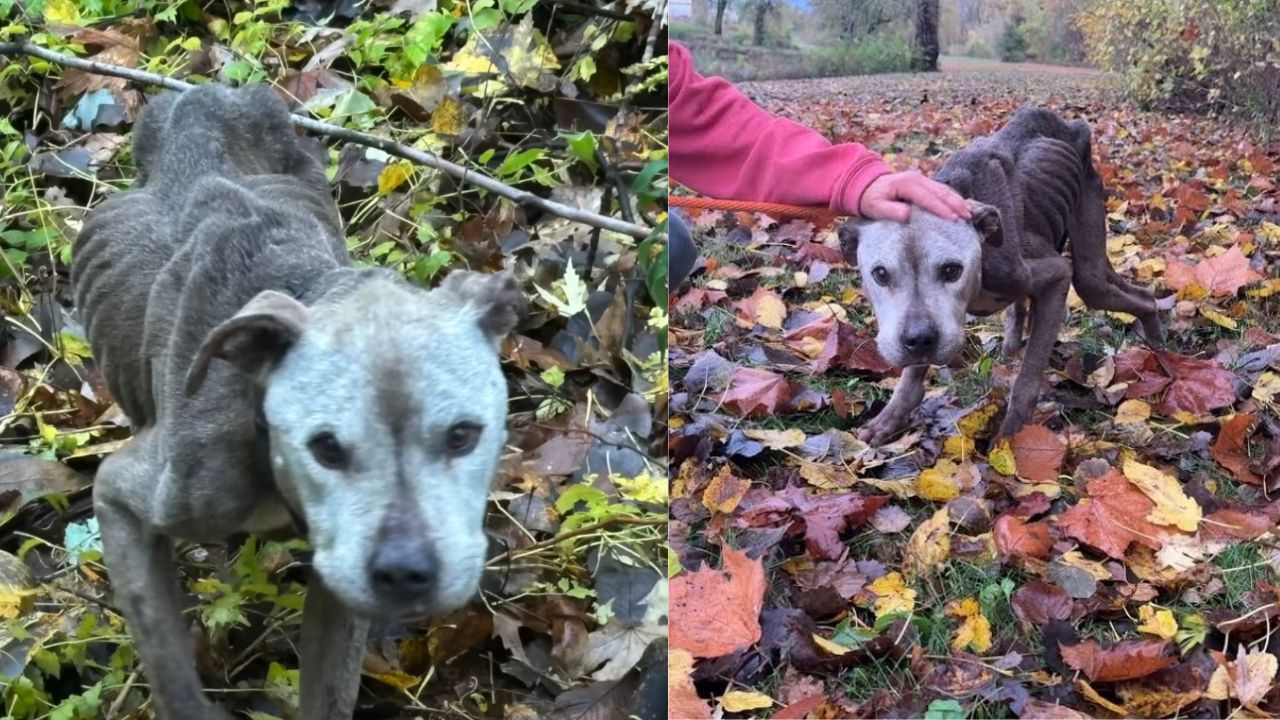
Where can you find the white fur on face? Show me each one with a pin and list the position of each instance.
(912, 257)
(448, 371)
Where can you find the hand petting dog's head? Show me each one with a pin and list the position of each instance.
(920, 277)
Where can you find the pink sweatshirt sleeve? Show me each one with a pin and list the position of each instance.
(723, 145)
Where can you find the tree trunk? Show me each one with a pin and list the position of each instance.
(925, 58)
(757, 31)
(721, 6)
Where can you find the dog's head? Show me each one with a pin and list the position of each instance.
(386, 409)
(920, 277)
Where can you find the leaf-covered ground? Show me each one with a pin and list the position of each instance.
(1116, 559)
(563, 102)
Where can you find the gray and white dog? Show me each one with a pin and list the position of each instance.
(1031, 186)
(273, 386)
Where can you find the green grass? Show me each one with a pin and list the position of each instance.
(1242, 567)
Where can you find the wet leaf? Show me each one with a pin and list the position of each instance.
(716, 612)
(1112, 515)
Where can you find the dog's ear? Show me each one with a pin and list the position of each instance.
(986, 220)
(848, 234)
(496, 297)
(253, 340)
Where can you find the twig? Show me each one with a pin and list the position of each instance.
(584, 530)
(116, 706)
(421, 157)
(659, 19)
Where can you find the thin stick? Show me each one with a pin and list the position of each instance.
(584, 530)
(421, 157)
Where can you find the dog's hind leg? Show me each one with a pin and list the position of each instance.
(1052, 278)
(333, 641)
(1099, 285)
(145, 582)
(893, 418)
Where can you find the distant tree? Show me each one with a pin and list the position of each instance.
(760, 11)
(721, 6)
(925, 56)
(856, 19)
(1013, 45)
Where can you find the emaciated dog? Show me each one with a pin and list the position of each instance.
(273, 386)
(1032, 186)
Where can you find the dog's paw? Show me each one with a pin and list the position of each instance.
(1011, 346)
(882, 428)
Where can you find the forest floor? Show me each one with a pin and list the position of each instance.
(1115, 558)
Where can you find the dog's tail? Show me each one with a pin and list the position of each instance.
(213, 129)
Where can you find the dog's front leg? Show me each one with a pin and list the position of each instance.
(1052, 278)
(893, 418)
(146, 586)
(333, 640)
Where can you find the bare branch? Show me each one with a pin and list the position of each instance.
(421, 157)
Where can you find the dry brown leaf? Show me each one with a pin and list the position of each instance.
(1125, 660)
(1038, 453)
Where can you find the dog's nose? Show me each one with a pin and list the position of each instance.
(403, 570)
(920, 337)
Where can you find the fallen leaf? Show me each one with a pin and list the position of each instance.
(1133, 412)
(938, 483)
(1157, 621)
(754, 392)
(1221, 276)
(892, 595)
(929, 545)
(725, 491)
(974, 631)
(716, 612)
(740, 701)
(1039, 453)
(682, 697)
(1038, 603)
(1247, 678)
(1125, 660)
(825, 515)
(1172, 506)
(763, 308)
(1229, 449)
(1015, 538)
(1113, 515)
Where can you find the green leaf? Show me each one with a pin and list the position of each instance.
(583, 146)
(580, 493)
(517, 7)
(945, 710)
(518, 161)
(553, 376)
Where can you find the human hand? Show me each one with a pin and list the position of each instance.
(890, 197)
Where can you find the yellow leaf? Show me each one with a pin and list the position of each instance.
(62, 12)
(901, 489)
(826, 477)
(848, 295)
(892, 595)
(739, 701)
(725, 491)
(974, 633)
(832, 647)
(1218, 318)
(1246, 678)
(447, 118)
(397, 679)
(958, 447)
(1173, 507)
(929, 545)
(975, 423)
(1133, 412)
(393, 176)
(1001, 458)
(776, 439)
(938, 483)
(1267, 387)
(770, 311)
(1158, 622)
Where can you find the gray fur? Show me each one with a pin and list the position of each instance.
(1032, 186)
(232, 327)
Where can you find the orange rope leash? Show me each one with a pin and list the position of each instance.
(774, 209)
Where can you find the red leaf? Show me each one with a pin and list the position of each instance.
(1189, 384)
(1224, 275)
(717, 612)
(1018, 539)
(1112, 516)
(1037, 603)
(1127, 660)
(843, 346)
(755, 392)
(1038, 453)
(824, 516)
(1230, 451)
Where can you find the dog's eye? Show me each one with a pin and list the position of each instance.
(880, 275)
(461, 438)
(327, 451)
(951, 272)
